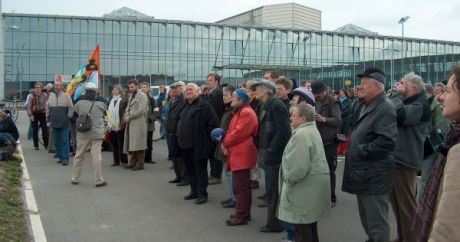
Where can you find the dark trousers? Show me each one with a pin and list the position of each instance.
(306, 232)
(148, 151)
(403, 201)
(331, 157)
(179, 169)
(40, 120)
(242, 192)
(197, 171)
(216, 167)
(373, 212)
(116, 140)
(73, 136)
(272, 174)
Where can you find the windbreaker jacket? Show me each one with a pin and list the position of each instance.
(239, 140)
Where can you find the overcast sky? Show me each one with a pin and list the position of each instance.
(428, 19)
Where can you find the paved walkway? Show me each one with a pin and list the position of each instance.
(142, 206)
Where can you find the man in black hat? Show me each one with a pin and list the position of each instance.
(328, 120)
(368, 171)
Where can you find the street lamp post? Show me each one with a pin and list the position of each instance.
(401, 21)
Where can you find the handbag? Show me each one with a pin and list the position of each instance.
(84, 121)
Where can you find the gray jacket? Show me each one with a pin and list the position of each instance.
(83, 106)
(59, 110)
(413, 115)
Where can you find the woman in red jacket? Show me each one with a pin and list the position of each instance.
(241, 154)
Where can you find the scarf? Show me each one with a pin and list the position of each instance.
(114, 114)
(423, 220)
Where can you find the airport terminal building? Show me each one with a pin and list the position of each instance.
(133, 45)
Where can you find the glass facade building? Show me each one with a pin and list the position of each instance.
(161, 51)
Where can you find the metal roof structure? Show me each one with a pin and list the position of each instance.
(125, 12)
(354, 29)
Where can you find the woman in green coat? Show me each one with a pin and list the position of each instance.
(304, 176)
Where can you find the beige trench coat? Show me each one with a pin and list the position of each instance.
(136, 130)
(446, 223)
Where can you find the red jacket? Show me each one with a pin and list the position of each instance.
(239, 140)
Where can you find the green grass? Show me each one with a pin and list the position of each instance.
(12, 219)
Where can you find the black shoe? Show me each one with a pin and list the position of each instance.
(230, 204)
(182, 184)
(101, 184)
(130, 166)
(115, 164)
(74, 182)
(226, 201)
(59, 161)
(137, 168)
(36, 148)
(65, 163)
(175, 180)
(190, 196)
(201, 200)
(51, 151)
(265, 229)
(150, 162)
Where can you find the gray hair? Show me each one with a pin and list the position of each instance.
(441, 85)
(429, 88)
(415, 80)
(267, 89)
(193, 85)
(305, 110)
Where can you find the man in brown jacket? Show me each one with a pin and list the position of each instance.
(37, 114)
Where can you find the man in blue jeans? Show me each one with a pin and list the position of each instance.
(60, 110)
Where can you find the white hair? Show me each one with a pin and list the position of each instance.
(193, 85)
(305, 110)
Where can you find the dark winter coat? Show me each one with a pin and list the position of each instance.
(216, 99)
(274, 132)
(329, 108)
(369, 163)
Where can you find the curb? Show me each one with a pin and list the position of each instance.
(38, 233)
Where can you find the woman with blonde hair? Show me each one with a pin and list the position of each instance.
(115, 125)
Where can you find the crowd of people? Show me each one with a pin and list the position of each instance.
(287, 140)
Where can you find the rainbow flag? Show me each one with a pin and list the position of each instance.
(87, 73)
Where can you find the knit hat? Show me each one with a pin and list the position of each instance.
(243, 95)
(304, 93)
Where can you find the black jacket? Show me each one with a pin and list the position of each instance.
(369, 162)
(345, 109)
(215, 98)
(274, 132)
(7, 125)
(204, 120)
(329, 108)
(172, 118)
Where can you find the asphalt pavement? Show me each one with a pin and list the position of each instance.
(143, 206)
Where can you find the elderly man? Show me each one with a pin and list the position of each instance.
(242, 154)
(214, 97)
(413, 116)
(328, 120)
(196, 121)
(274, 133)
(304, 176)
(369, 166)
(177, 104)
(60, 110)
(135, 119)
(37, 114)
(93, 105)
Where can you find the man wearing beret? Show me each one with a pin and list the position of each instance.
(369, 165)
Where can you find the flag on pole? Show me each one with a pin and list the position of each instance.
(88, 73)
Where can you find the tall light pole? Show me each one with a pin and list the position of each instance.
(401, 21)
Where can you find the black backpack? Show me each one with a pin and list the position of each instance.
(84, 121)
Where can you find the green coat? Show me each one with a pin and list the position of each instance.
(304, 185)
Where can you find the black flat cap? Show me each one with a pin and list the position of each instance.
(374, 73)
(317, 87)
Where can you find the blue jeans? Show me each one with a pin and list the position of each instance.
(163, 131)
(290, 230)
(228, 175)
(6, 139)
(61, 143)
